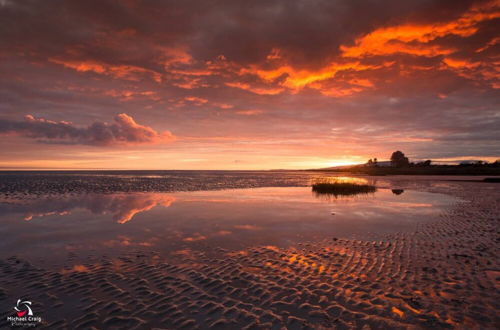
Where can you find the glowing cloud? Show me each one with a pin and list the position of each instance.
(247, 87)
(127, 72)
(255, 90)
(296, 78)
(415, 38)
(249, 112)
(124, 131)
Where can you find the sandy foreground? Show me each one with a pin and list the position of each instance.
(445, 274)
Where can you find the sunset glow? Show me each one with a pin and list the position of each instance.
(266, 85)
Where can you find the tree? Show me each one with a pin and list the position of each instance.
(375, 162)
(398, 159)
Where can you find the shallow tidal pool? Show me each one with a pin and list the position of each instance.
(46, 229)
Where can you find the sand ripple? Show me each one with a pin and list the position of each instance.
(443, 275)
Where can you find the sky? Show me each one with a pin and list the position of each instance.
(237, 84)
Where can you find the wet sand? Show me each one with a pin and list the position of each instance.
(445, 274)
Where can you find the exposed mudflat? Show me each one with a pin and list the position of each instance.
(445, 274)
(60, 182)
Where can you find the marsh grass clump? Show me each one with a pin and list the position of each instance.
(341, 188)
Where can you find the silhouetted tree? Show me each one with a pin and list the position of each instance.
(375, 162)
(398, 159)
(370, 162)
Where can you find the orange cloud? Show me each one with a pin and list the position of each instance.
(127, 95)
(129, 132)
(249, 112)
(127, 72)
(337, 91)
(256, 90)
(339, 88)
(224, 105)
(287, 77)
(188, 73)
(491, 43)
(174, 56)
(296, 78)
(189, 83)
(361, 82)
(196, 100)
(194, 238)
(485, 71)
(414, 38)
(458, 64)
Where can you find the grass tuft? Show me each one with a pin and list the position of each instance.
(340, 188)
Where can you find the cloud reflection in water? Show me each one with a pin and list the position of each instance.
(204, 220)
(123, 207)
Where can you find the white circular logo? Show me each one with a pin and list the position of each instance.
(23, 307)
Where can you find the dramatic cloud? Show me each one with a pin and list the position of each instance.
(270, 83)
(124, 131)
(416, 39)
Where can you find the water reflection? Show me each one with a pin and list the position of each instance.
(203, 220)
(345, 179)
(122, 207)
(397, 191)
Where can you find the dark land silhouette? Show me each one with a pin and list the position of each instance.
(399, 164)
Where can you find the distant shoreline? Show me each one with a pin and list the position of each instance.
(472, 170)
(488, 169)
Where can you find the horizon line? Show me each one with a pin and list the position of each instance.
(26, 169)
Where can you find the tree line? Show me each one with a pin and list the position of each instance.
(398, 159)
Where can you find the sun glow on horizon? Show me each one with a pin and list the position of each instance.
(343, 163)
(117, 91)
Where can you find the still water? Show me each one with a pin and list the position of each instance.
(46, 229)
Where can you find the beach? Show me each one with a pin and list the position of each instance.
(249, 164)
(440, 273)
